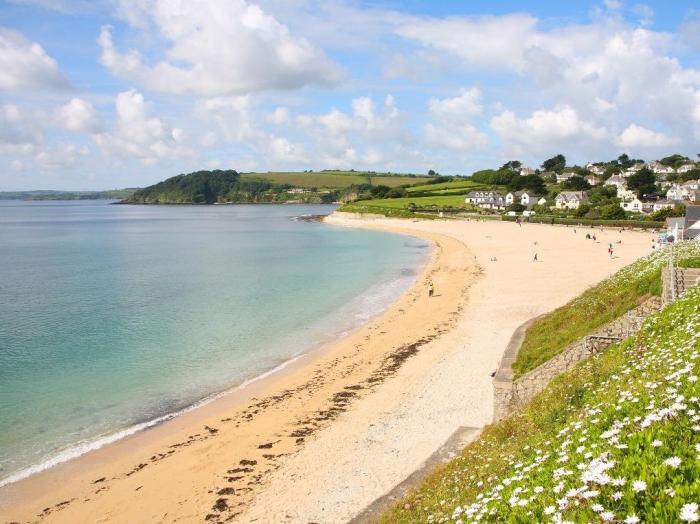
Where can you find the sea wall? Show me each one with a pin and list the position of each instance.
(510, 394)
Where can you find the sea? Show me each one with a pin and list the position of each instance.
(114, 318)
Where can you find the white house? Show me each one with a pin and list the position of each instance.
(596, 170)
(570, 199)
(526, 198)
(637, 206)
(685, 168)
(662, 204)
(486, 199)
(617, 181)
(688, 191)
(477, 197)
(660, 169)
(563, 177)
(524, 171)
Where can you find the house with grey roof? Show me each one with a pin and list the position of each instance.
(570, 199)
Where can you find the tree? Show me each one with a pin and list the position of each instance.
(432, 173)
(512, 165)
(662, 214)
(532, 183)
(517, 207)
(643, 182)
(674, 160)
(612, 212)
(576, 183)
(556, 163)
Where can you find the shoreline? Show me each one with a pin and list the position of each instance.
(334, 432)
(318, 347)
(82, 472)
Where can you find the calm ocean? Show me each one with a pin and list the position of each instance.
(113, 316)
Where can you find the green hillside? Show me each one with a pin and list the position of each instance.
(615, 439)
(335, 179)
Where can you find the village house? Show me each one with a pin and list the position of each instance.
(688, 227)
(685, 168)
(617, 181)
(592, 180)
(688, 191)
(486, 199)
(563, 177)
(525, 198)
(570, 199)
(596, 170)
(663, 204)
(525, 171)
(637, 206)
(660, 169)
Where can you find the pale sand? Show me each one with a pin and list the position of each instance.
(357, 448)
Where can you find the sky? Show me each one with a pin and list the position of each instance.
(100, 94)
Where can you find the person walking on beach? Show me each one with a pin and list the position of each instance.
(431, 289)
(535, 258)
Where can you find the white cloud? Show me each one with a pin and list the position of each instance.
(546, 130)
(280, 116)
(19, 132)
(463, 137)
(490, 42)
(25, 64)
(79, 115)
(138, 135)
(218, 47)
(467, 104)
(59, 157)
(282, 150)
(637, 137)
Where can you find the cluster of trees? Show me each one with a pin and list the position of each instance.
(207, 187)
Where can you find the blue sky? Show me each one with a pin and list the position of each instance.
(116, 93)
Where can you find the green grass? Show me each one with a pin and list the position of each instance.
(403, 203)
(593, 446)
(360, 207)
(600, 304)
(334, 179)
(458, 184)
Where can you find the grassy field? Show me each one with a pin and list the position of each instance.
(402, 203)
(615, 439)
(335, 179)
(446, 186)
(600, 304)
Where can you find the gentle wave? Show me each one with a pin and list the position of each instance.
(358, 310)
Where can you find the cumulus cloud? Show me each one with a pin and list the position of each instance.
(464, 137)
(139, 135)
(79, 115)
(25, 64)
(637, 137)
(219, 47)
(545, 130)
(19, 132)
(465, 105)
(491, 42)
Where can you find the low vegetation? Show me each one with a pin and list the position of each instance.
(600, 304)
(615, 439)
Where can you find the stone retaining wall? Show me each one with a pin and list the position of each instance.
(510, 394)
(684, 279)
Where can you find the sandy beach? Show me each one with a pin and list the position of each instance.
(325, 437)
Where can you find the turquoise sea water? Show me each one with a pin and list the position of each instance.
(112, 316)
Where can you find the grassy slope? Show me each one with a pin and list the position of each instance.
(446, 186)
(600, 304)
(402, 203)
(333, 179)
(578, 451)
